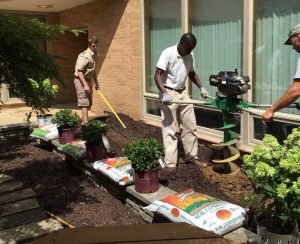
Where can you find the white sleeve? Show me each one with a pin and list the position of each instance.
(297, 75)
(193, 63)
(163, 61)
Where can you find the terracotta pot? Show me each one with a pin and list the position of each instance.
(146, 181)
(66, 135)
(266, 235)
(95, 152)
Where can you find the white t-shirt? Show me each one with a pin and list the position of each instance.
(177, 67)
(297, 75)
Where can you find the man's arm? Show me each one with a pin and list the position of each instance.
(96, 81)
(287, 98)
(159, 83)
(166, 98)
(194, 78)
(83, 81)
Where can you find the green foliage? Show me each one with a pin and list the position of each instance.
(46, 95)
(275, 172)
(144, 153)
(92, 132)
(65, 119)
(21, 61)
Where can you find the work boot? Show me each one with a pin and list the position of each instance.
(198, 163)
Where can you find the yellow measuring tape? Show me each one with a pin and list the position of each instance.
(110, 107)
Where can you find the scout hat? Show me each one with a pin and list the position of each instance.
(295, 30)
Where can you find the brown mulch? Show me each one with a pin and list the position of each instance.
(71, 195)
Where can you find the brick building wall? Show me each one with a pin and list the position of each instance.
(117, 27)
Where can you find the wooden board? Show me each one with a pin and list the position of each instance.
(22, 218)
(3, 177)
(143, 233)
(16, 196)
(30, 231)
(9, 186)
(17, 207)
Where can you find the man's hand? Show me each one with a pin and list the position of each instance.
(166, 99)
(204, 92)
(86, 88)
(268, 115)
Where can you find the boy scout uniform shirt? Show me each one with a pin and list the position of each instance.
(86, 62)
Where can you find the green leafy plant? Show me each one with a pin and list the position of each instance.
(45, 95)
(143, 153)
(65, 118)
(92, 131)
(22, 58)
(275, 172)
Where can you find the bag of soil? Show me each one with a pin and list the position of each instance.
(118, 169)
(201, 210)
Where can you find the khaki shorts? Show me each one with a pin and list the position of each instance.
(83, 99)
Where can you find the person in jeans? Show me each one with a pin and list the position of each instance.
(83, 76)
(293, 92)
(175, 64)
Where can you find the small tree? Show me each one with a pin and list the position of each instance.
(20, 58)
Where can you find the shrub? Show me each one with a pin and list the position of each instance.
(92, 132)
(65, 119)
(275, 172)
(144, 153)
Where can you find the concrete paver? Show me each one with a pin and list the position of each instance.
(17, 114)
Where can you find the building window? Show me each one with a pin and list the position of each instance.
(163, 25)
(218, 26)
(219, 47)
(275, 63)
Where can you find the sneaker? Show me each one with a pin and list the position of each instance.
(198, 163)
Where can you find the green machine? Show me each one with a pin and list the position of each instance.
(228, 100)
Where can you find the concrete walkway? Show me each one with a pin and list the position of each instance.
(16, 113)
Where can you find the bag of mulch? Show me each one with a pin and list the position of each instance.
(201, 210)
(118, 169)
(46, 133)
(76, 149)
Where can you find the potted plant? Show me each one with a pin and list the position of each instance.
(43, 99)
(144, 155)
(92, 133)
(274, 170)
(66, 121)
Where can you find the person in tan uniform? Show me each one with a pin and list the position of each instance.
(83, 76)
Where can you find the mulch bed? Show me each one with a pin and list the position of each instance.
(71, 195)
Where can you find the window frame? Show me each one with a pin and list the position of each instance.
(247, 140)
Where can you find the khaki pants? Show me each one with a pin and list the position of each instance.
(183, 116)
